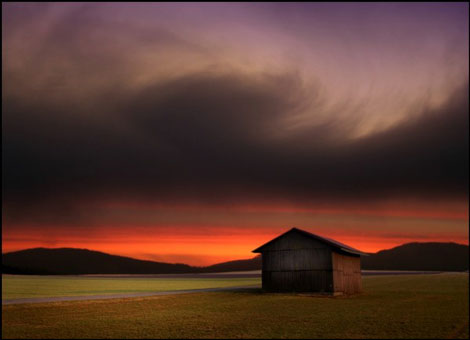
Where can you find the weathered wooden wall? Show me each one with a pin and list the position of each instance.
(346, 273)
(297, 263)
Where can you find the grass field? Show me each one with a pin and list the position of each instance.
(20, 286)
(418, 306)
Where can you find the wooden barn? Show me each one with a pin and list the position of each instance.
(300, 261)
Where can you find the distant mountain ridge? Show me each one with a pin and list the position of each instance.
(420, 256)
(411, 256)
(82, 261)
(237, 265)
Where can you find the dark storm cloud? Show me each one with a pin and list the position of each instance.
(210, 138)
(78, 126)
(181, 134)
(425, 155)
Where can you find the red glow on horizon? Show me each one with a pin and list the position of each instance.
(204, 235)
(218, 245)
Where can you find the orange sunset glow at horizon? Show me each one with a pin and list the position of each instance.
(208, 250)
(211, 241)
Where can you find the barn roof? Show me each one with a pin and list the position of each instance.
(332, 243)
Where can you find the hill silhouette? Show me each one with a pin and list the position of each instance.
(420, 256)
(411, 256)
(237, 265)
(82, 261)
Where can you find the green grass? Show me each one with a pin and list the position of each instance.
(418, 306)
(19, 286)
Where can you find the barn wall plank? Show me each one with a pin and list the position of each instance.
(299, 259)
(299, 281)
(347, 273)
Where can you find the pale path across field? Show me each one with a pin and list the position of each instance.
(37, 289)
(35, 286)
(120, 296)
